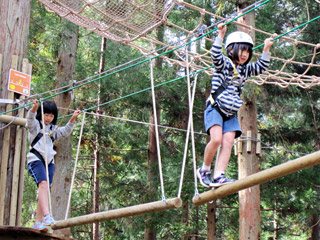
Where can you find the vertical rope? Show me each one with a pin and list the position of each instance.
(189, 128)
(46, 155)
(194, 160)
(75, 166)
(156, 129)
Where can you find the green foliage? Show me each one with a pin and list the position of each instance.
(288, 120)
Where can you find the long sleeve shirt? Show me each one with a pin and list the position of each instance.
(229, 100)
(45, 144)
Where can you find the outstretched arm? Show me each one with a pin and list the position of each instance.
(216, 53)
(67, 129)
(34, 106)
(74, 116)
(267, 45)
(222, 29)
(256, 68)
(32, 123)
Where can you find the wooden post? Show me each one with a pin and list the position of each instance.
(259, 178)
(14, 41)
(239, 146)
(13, 120)
(27, 68)
(258, 144)
(249, 141)
(211, 220)
(5, 154)
(15, 175)
(14, 184)
(19, 161)
(235, 147)
(0, 65)
(119, 213)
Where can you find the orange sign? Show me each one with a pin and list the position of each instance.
(19, 82)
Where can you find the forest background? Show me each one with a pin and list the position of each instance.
(117, 166)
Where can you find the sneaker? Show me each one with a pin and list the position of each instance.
(221, 180)
(204, 177)
(39, 226)
(48, 220)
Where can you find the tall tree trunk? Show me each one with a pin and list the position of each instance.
(149, 232)
(63, 159)
(315, 223)
(211, 209)
(275, 221)
(185, 218)
(211, 212)
(315, 217)
(96, 167)
(14, 30)
(249, 199)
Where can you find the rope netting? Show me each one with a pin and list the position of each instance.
(118, 20)
(282, 75)
(129, 21)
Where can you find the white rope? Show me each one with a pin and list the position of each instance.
(46, 155)
(189, 128)
(143, 123)
(196, 192)
(156, 129)
(75, 165)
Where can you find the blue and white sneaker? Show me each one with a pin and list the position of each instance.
(48, 220)
(221, 180)
(40, 226)
(204, 177)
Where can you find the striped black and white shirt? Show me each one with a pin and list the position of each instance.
(229, 100)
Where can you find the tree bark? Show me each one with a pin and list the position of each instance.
(149, 232)
(14, 30)
(185, 218)
(63, 159)
(249, 199)
(211, 212)
(96, 169)
(315, 223)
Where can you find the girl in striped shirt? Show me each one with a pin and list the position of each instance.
(220, 117)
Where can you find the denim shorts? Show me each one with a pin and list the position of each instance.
(212, 117)
(37, 170)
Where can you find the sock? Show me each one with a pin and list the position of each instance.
(217, 174)
(205, 168)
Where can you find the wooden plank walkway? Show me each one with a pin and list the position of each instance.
(23, 233)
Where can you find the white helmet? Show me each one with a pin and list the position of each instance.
(238, 37)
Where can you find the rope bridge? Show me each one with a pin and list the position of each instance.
(131, 22)
(118, 20)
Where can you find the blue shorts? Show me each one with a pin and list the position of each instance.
(37, 170)
(212, 117)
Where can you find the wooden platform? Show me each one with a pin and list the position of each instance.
(16, 233)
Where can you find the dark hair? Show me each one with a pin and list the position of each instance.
(234, 48)
(48, 107)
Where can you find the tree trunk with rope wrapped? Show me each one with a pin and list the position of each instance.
(63, 159)
(97, 143)
(149, 232)
(14, 31)
(248, 162)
